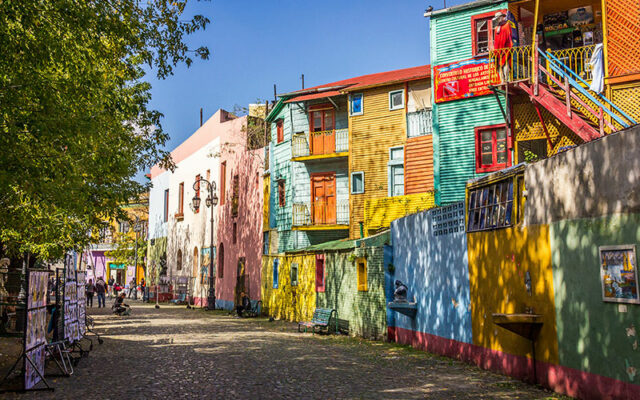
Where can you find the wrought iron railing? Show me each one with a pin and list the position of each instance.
(576, 60)
(517, 61)
(419, 123)
(320, 143)
(320, 213)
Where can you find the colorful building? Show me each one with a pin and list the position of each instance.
(225, 151)
(391, 151)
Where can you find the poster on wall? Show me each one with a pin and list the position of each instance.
(462, 79)
(619, 274)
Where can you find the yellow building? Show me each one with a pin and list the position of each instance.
(391, 151)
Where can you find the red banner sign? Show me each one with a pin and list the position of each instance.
(462, 79)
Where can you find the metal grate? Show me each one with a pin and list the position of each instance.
(628, 99)
(623, 36)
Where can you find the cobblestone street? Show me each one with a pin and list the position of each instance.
(174, 352)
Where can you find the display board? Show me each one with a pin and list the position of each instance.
(35, 328)
(81, 303)
(462, 79)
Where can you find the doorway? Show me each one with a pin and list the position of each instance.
(240, 280)
(323, 198)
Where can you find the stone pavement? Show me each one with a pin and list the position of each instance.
(175, 353)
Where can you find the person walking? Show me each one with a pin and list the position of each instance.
(110, 287)
(90, 289)
(143, 288)
(101, 288)
(132, 287)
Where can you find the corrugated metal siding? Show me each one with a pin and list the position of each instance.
(380, 212)
(418, 165)
(451, 34)
(370, 137)
(454, 121)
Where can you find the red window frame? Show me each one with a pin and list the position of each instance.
(324, 111)
(280, 130)
(474, 39)
(480, 168)
(223, 181)
(320, 275)
(197, 210)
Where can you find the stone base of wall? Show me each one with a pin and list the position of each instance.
(560, 379)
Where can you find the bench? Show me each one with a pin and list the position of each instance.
(321, 321)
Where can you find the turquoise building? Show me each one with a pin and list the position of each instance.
(466, 124)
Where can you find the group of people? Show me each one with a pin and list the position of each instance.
(112, 288)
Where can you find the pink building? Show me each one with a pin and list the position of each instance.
(220, 151)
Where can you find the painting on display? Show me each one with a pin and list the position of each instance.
(35, 328)
(33, 375)
(619, 274)
(581, 16)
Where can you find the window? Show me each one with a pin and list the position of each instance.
(265, 242)
(521, 199)
(223, 181)
(197, 186)
(482, 33)
(319, 272)
(294, 274)
(491, 148)
(355, 104)
(180, 199)
(124, 226)
(235, 232)
(321, 120)
(396, 171)
(221, 261)
(275, 273)
(179, 260)
(235, 193)
(362, 274)
(396, 100)
(490, 207)
(357, 182)
(166, 205)
(280, 130)
(281, 193)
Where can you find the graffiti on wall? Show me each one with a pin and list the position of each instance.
(619, 274)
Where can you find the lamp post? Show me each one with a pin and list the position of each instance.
(136, 229)
(211, 202)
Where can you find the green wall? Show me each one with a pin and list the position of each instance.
(454, 121)
(592, 334)
(365, 311)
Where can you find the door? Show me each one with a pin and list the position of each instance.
(120, 277)
(240, 280)
(323, 140)
(323, 198)
(317, 139)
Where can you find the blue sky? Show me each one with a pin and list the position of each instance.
(257, 43)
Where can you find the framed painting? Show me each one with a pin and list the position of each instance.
(619, 274)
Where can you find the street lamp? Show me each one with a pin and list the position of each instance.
(211, 201)
(136, 228)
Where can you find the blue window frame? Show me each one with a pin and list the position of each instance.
(355, 104)
(276, 263)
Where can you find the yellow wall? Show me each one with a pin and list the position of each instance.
(292, 303)
(370, 136)
(380, 212)
(498, 261)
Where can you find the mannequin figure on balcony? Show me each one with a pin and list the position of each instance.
(502, 39)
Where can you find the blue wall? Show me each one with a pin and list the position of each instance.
(430, 257)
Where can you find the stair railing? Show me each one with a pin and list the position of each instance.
(571, 80)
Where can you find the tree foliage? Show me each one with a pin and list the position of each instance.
(75, 124)
(124, 251)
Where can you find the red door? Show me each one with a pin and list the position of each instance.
(323, 140)
(323, 198)
(317, 139)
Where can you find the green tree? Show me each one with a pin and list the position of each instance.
(75, 121)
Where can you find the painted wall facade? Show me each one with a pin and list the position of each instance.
(454, 122)
(430, 257)
(379, 213)
(281, 299)
(360, 312)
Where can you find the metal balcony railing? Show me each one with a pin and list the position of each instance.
(419, 123)
(518, 61)
(320, 143)
(323, 214)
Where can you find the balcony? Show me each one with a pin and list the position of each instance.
(419, 123)
(320, 145)
(325, 215)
